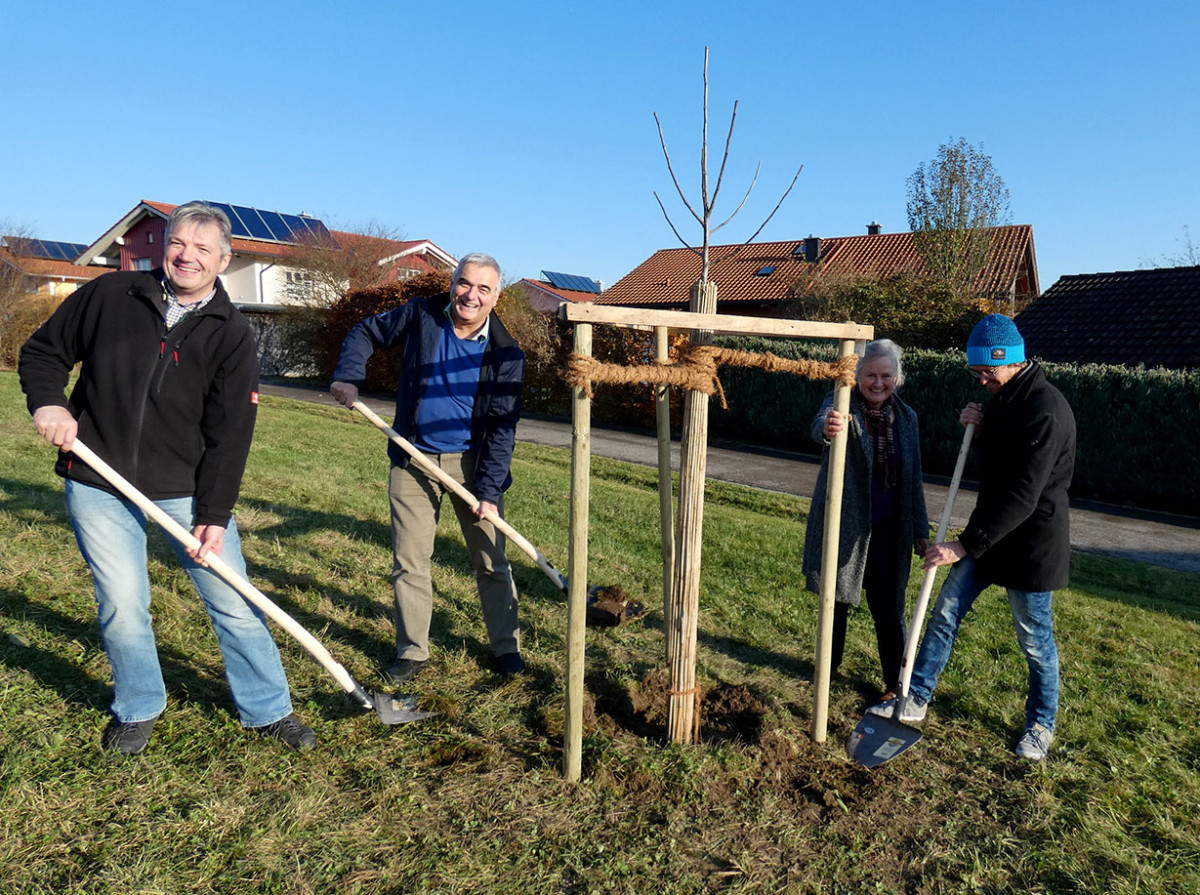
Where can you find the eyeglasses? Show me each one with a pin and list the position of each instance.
(987, 375)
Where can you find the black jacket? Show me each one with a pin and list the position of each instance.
(417, 325)
(1020, 529)
(173, 412)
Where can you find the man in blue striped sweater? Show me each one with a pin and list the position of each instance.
(458, 402)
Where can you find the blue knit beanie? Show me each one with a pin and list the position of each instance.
(995, 342)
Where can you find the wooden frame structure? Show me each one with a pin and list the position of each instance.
(681, 568)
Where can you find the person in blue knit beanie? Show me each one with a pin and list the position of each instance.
(1018, 536)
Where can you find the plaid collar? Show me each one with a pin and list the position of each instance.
(174, 310)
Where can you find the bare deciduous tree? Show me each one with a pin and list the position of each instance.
(682, 603)
(326, 269)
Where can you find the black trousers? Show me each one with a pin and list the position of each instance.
(885, 599)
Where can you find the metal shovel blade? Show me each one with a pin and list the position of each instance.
(397, 708)
(878, 739)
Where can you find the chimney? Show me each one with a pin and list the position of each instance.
(812, 249)
(873, 228)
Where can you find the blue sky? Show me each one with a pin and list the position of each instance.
(527, 130)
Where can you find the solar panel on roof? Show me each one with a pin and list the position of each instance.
(239, 229)
(47, 248)
(295, 226)
(318, 229)
(279, 230)
(571, 281)
(254, 224)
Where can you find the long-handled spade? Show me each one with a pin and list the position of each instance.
(436, 472)
(391, 710)
(878, 739)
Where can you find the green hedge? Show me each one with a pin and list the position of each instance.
(1135, 426)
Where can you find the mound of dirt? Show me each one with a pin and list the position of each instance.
(728, 712)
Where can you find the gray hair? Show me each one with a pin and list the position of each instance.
(884, 348)
(197, 213)
(475, 258)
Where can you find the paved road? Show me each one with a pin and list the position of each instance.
(1157, 538)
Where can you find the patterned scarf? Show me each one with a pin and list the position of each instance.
(881, 424)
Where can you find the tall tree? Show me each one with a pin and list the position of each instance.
(953, 202)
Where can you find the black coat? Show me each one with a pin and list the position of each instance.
(171, 411)
(1020, 531)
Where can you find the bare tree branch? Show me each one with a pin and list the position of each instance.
(743, 202)
(704, 155)
(738, 251)
(725, 158)
(672, 223)
(667, 155)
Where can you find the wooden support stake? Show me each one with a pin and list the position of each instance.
(683, 721)
(666, 504)
(829, 558)
(581, 457)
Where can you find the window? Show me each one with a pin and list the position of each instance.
(142, 264)
(765, 271)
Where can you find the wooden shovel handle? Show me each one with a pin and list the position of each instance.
(451, 484)
(251, 593)
(918, 616)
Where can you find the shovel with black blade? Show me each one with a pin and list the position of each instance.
(392, 710)
(878, 739)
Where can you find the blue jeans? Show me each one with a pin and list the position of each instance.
(1031, 612)
(111, 533)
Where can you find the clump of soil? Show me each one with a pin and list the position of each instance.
(609, 606)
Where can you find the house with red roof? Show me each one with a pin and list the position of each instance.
(758, 279)
(46, 266)
(268, 268)
(555, 289)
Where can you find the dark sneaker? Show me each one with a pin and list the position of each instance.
(403, 670)
(290, 732)
(128, 738)
(1035, 743)
(510, 664)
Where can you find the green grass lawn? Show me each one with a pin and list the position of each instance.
(474, 800)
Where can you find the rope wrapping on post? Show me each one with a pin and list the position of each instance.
(696, 370)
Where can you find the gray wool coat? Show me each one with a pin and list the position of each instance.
(855, 534)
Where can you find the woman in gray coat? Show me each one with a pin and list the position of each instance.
(884, 521)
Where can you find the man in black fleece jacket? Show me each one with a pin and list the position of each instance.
(167, 395)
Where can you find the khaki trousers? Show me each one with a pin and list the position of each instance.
(416, 507)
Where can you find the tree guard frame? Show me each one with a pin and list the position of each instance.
(852, 338)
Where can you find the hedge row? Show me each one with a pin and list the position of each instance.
(1135, 426)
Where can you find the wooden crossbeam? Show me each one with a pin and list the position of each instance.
(725, 324)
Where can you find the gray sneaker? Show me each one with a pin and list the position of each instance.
(914, 711)
(1035, 743)
(129, 737)
(290, 732)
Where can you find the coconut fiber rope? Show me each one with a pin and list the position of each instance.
(697, 367)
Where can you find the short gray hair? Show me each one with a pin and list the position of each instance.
(884, 348)
(475, 258)
(197, 212)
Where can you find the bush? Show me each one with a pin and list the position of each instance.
(21, 313)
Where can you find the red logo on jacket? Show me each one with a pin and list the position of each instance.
(254, 397)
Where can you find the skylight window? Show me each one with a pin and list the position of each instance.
(765, 271)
